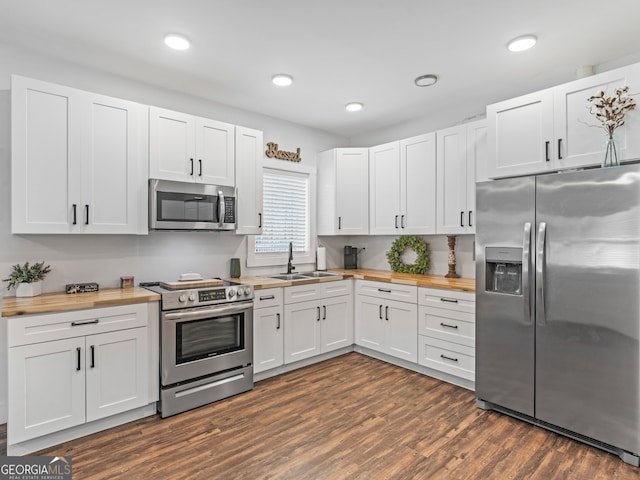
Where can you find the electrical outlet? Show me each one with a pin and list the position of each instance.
(363, 246)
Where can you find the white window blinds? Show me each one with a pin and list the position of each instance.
(285, 212)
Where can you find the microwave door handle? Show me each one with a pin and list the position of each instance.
(220, 208)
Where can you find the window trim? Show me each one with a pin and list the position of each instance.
(277, 259)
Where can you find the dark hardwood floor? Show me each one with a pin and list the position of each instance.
(352, 417)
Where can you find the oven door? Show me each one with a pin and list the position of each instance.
(203, 341)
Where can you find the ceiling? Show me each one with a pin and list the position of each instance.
(338, 51)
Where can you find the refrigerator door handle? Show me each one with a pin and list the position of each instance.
(541, 315)
(526, 263)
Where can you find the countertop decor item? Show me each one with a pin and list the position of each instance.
(451, 242)
(610, 112)
(27, 279)
(234, 268)
(400, 246)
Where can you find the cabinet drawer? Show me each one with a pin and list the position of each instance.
(336, 288)
(447, 357)
(302, 293)
(447, 299)
(24, 330)
(270, 297)
(388, 291)
(448, 325)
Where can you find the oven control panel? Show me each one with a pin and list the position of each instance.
(172, 300)
(215, 294)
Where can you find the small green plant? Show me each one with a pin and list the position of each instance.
(27, 274)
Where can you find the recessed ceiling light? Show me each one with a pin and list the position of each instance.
(426, 80)
(520, 44)
(175, 41)
(353, 107)
(282, 80)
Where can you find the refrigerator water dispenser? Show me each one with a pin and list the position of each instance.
(503, 270)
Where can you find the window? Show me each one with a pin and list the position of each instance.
(288, 212)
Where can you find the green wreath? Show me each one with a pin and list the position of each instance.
(402, 244)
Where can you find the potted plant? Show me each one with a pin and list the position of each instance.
(27, 279)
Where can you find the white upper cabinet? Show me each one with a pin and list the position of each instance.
(190, 149)
(79, 161)
(402, 186)
(343, 191)
(249, 158)
(459, 148)
(553, 129)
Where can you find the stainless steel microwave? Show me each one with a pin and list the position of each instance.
(191, 206)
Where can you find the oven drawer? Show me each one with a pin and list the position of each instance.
(270, 297)
(25, 330)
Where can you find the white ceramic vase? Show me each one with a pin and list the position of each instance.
(29, 289)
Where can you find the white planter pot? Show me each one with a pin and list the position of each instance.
(29, 289)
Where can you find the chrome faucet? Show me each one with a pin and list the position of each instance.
(290, 267)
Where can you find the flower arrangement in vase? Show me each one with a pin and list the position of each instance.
(610, 112)
(27, 279)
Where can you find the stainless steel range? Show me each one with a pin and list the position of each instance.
(206, 343)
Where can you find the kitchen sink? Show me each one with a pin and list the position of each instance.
(289, 276)
(320, 274)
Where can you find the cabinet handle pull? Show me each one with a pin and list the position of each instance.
(546, 151)
(384, 290)
(455, 327)
(75, 208)
(469, 223)
(87, 322)
(86, 214)
(324, 312)
(386, 313)
(380, 312)
(559, 149)
(448, 358)
(268, 297)
(200, 167)
(260, 220)
(191, 173)
(396, 222)
(318, 319)
(449, 300)
(93, 356)
(402, 221)
(278, 321)
(339, 223)
(462, 219)
(77, 359)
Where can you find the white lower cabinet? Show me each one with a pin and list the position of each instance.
(318, 318)
(62, 374)
(384, 324)
(446, 328)
(268, 330)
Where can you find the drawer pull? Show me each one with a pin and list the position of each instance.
(88, 322)
(448, 358)
(448, 326)
(268, 297)
(384, 290)
(449, 300)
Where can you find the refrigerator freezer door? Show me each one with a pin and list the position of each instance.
(587, 351)
(504, 326)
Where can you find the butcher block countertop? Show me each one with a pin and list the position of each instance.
(463, 284)
(60, 302)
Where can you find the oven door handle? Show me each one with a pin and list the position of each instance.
(209, 312)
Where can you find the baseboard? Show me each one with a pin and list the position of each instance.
(300, 364)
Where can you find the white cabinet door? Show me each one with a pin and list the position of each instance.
(249, 158)
(46, 129)
(215, 152)
(337, 323)
(301, 331)
(384, 189)
(402, 336)
(46, 388)
(117, 372)
(418, 185)
(114, 167)
(477, 161)
(520, 135)
(352, 191)
(578, 139)
(452, 180)
(370, 326)
(268, 338)
(171, 145)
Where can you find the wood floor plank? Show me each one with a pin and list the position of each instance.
(348, 418)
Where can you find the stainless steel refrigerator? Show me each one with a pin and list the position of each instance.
(558, 303)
